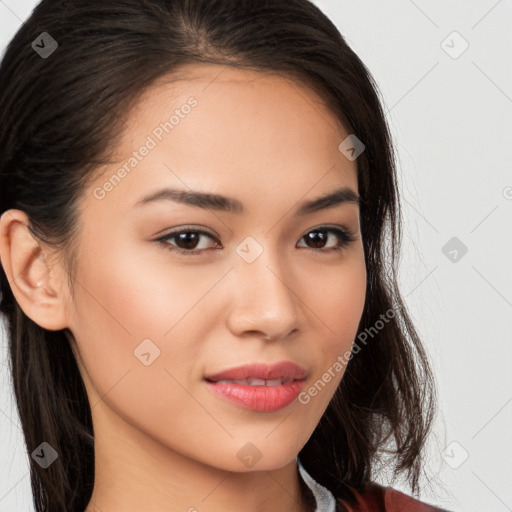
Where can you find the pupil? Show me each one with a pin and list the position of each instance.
(188, 238)
(317, 239)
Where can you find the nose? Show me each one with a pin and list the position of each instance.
(264, 302)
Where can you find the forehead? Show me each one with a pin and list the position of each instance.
(214, 127)
(229, 99)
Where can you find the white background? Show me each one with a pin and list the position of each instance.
(451, 119)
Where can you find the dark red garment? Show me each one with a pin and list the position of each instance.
(377, 498)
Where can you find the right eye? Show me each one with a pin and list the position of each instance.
(186, 240)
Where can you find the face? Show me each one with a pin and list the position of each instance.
(265, 281)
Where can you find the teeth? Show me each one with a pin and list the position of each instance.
(255, 382)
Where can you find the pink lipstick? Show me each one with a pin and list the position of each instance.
(259, 387)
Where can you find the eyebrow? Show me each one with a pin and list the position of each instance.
(228, 204)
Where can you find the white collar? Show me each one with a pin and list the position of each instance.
(325, 501)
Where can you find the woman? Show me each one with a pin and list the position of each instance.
(202, 310)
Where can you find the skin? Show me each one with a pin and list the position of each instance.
(163, 440)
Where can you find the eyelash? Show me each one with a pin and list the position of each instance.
(346, 236)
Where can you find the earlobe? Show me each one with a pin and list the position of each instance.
(33, 281)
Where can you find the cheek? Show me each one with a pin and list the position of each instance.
(128, 316)
(130, 306)
(340, 298)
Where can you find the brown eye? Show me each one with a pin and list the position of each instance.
(319, 237)
(185, 241)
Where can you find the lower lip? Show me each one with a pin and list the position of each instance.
(258, 398)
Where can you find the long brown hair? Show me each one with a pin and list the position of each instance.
(59, 118)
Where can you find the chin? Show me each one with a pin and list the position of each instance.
(257, 456)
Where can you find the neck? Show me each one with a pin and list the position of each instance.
(134, 472)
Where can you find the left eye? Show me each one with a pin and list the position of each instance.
(321, 235)
(186, 240)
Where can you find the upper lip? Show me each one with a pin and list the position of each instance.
(281, 370)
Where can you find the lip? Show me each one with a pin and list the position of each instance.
(260, 398)
(280, 370)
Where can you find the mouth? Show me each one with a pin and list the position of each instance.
(259, 374)
(259, 387)
(254, 381)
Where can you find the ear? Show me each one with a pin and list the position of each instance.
(34, 282)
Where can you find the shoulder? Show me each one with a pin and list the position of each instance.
(376, 498)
